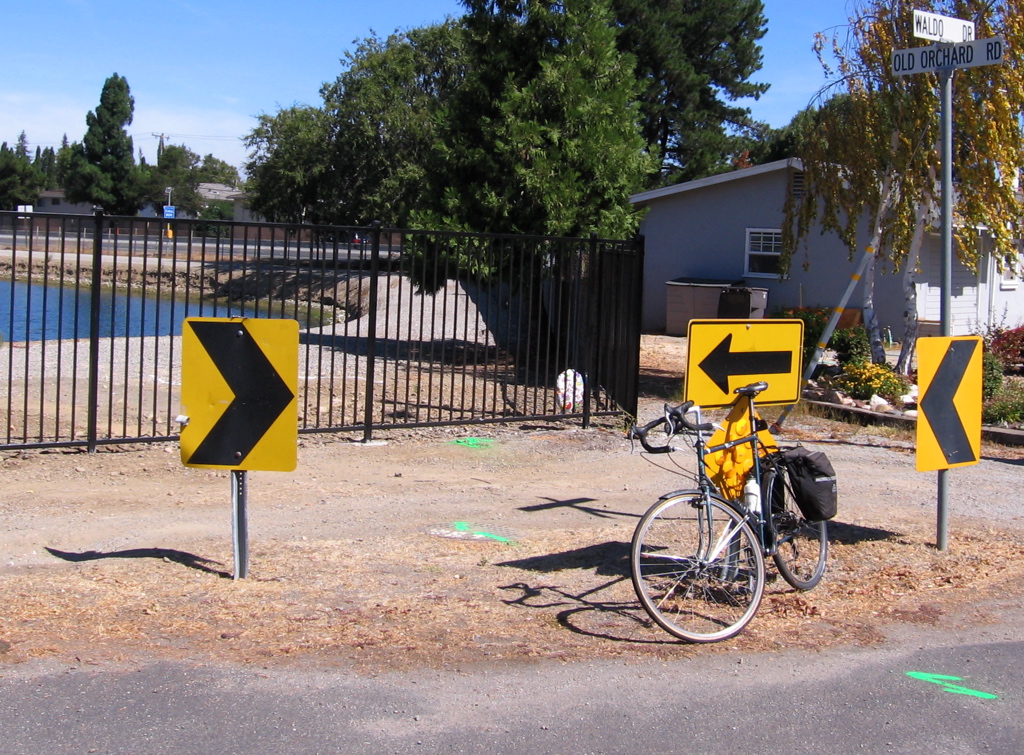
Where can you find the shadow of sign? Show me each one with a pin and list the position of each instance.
(189, 560)
(577, 503)
(851, 534)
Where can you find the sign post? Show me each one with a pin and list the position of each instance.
(944, 59)
(239, 381)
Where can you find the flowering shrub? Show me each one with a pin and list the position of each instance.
(991, 374)
(1009, 347)
(851, 346)
(861, 381)
(1006, 407)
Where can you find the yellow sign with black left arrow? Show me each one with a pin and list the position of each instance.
(239, 382)
(724, 355)
(949, 374)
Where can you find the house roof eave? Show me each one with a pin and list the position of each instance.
(701, 183)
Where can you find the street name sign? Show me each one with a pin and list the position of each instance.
(724, 355)
(239, 380)
(971, 54)
(942, 28)
(949, 409)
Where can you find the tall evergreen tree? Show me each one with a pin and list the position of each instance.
(694, 58)
(102, 168)
(542, 138)
(19, 181)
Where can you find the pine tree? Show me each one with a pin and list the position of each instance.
(102, 168)
(543, 136)
(19, 181)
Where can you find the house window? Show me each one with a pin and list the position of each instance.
(1010, 279)
(764, 247)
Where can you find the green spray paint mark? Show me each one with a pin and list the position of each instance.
(464, 527)
(944, 682)
(474, 442)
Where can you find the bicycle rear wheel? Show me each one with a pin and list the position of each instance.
(697, 567)
(801, 546)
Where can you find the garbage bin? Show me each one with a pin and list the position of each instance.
(743, 303)
(691, 299)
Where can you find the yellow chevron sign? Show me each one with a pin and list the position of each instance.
(239, 380)
(949, 409)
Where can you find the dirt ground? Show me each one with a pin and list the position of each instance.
(447, 547)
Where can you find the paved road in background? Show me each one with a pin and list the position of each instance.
(847, 700)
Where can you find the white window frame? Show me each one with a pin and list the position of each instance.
(1009, 279)
(755, 246)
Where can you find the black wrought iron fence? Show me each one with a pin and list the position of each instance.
(398, 327)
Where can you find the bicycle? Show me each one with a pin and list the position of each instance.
(698, 557)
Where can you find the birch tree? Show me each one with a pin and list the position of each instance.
(874, 153)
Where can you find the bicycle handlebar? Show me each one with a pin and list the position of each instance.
(675, 419)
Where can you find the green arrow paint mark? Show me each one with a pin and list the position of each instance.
(464, 527)
(474, 442)
(944, 682)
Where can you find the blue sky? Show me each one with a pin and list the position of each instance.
(201, 71)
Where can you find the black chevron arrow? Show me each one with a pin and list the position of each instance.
(260, 395)
(937, 403)
(723, 363)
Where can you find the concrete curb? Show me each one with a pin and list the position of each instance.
(1001, 435)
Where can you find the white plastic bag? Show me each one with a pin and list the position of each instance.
(570, 391)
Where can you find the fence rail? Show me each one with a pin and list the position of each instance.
(397, 327)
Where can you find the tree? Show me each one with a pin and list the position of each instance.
(19, 181)
(217, 171)
(874, 151)
(693, 57)
(45, 163)
(543, 136)
(102, 168)
(385, 111)
(177, 168)
(287, 169)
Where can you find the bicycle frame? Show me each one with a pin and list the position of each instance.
(761, 524)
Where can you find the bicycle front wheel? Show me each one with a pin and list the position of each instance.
(801, 546)
(697, 567)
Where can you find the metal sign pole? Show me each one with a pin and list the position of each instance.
(946, 137)
(240, 522)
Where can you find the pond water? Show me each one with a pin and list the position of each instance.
(34, 312)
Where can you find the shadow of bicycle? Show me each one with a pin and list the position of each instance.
(605, 609)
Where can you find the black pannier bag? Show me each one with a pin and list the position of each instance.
(814, 483)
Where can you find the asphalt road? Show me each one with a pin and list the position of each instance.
(965, 697)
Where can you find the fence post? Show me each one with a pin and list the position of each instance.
(94, 327)
(371, 334)
(593, 330)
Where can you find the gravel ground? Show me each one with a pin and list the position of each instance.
(447, 546)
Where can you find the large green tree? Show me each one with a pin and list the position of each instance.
(102, 168)
(385, 112)
(287, 170)
(543, 136)
(694, 59)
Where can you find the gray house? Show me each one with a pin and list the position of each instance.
(724, 234)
